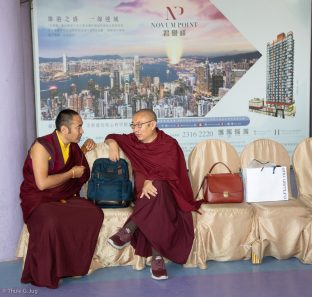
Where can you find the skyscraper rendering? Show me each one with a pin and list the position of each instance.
(280, 71)
(279, 101)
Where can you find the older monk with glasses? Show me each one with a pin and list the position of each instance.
(161, 223)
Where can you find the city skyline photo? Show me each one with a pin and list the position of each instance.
(109, 60)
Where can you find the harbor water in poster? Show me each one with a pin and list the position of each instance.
(230, 70)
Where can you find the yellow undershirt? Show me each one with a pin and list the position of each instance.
(64, 148)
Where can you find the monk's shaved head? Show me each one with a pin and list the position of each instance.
(146, 112)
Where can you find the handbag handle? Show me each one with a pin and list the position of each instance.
(211, 168)
(215, 164)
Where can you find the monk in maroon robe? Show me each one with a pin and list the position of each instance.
(161, 224)
(63, 228)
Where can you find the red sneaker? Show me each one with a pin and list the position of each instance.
(120, 239)
(158, 269)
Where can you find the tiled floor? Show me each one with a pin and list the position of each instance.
(273, 278)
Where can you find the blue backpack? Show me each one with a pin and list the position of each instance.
(109, 185)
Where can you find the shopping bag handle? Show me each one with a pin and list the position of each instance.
(273, 168)
(262, 163)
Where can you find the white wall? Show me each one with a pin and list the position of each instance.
(17, 116)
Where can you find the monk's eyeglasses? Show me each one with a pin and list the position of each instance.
(139, 125)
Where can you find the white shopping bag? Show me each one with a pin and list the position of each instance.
(265, 184)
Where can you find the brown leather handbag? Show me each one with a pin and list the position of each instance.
(222, 187)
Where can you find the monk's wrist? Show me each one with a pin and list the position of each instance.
(84, 149)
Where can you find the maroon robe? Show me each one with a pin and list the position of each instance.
(62, 236)
(164, 222)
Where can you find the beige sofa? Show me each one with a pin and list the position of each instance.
(104, 255)
(283, 228)
(223, 232)
(302, 164)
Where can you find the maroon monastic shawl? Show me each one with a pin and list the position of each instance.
(31, 196)
(161, 159)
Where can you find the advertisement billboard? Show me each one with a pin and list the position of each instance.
(230, 70)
